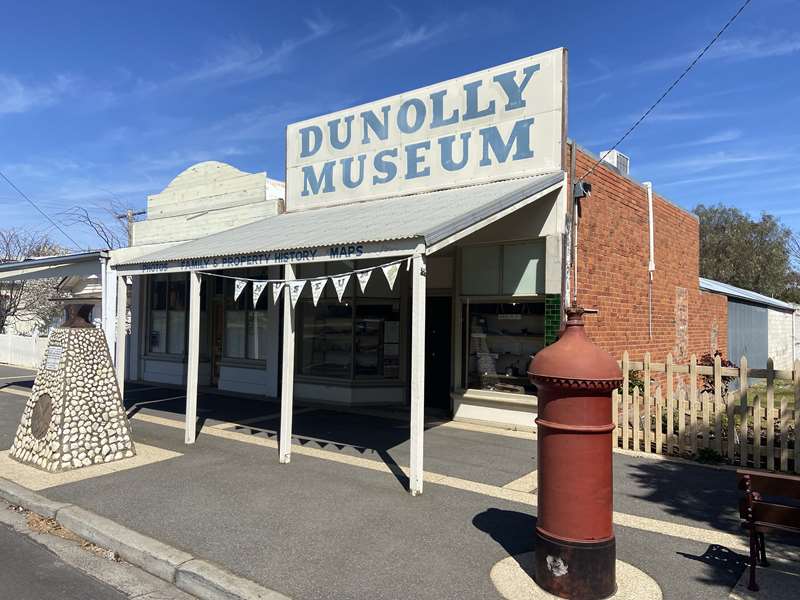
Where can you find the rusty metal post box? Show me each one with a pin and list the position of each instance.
(575, 547)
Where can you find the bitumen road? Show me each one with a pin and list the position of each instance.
(29, 571)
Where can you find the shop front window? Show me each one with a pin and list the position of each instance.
(377, 340)
(168, 314)
(355, 339)
(245, 325)
(502, 337)
(326, 339)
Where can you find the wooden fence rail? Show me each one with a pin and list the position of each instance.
(710, 412)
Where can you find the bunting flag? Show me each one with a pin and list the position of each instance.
(340, 283)
(295, 289)
(363, 278)
(258, 288)
(277, 288)
(391, 271)
(238, 288)
(317, 285)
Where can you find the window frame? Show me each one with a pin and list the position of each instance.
(166, 354)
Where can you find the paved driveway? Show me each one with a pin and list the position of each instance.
(337, 523)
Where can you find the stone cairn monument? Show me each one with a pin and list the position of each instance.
(74, 416)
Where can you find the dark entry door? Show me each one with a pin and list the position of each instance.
(438, 334)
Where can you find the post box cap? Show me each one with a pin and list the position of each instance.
(574, 359)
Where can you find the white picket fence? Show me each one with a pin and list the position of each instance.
(22, 351)
(671, 415)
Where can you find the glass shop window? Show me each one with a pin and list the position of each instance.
(358, 338)
(245, 325)
(325, 345)
(377, 340)
(168, 295)
(502, 337)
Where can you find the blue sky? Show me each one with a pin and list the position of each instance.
(102, 101)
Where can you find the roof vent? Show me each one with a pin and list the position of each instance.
(621, 162)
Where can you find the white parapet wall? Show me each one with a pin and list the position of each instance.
(780, 338)
(22, 350)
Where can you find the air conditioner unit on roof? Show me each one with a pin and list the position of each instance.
(621, 162)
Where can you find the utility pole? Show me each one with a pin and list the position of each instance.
(129, 215)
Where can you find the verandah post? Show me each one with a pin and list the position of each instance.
(418, 295)
(193, 358)
(287, 370)
(121, 330)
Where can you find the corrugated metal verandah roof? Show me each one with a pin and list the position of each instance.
(431, 216)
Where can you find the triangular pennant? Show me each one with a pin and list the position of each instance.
(277, 288)
(258, 288)
(317, 285)
(295, 289)
(340, 283)
(391, 273)
(238, 288)
(363, 278)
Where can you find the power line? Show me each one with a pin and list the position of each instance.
(44, 214)
(670, 88)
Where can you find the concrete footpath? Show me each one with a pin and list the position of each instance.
(337, 523)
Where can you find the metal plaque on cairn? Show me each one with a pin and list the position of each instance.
(74, 416)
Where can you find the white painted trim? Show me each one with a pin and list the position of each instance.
(495, 217)
(417, 370)
(267, 258)
(287, 373)
(108, 303)
(120, 312)
(193, 358)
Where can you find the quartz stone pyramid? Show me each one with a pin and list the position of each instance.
(74, 416)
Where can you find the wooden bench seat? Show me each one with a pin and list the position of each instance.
(771, 502)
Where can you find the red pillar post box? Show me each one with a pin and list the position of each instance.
(575, 547)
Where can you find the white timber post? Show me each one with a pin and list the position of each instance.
(287, 372)
(417, 370)
(121, 332)
(108, 303)
(193, 358)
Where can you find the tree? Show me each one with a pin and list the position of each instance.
(27, 300)
(754, 255)
(112, 226)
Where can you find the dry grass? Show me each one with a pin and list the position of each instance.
(41, 524)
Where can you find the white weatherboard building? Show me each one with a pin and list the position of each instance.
(408, 262)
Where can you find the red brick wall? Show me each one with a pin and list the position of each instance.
(613, 256)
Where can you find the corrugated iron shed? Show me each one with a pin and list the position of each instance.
(709, 285)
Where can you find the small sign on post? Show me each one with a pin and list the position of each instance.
(53, 358)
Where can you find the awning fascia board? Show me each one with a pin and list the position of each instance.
(322, 254)
(87, 263)
(437, 245)
(34, 271)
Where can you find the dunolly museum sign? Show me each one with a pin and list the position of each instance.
(498, 123)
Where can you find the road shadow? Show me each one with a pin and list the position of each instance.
(513, 530)
(701, 494)
(726, 566)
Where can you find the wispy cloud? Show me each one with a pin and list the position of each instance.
(401, 34)
(776, 43)
(17, 96)
(699, 163)
(720, 137)
(239, 60)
